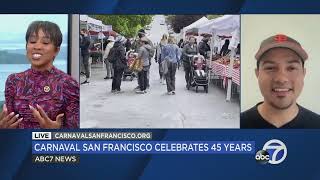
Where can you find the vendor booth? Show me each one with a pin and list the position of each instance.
(98, 33)
(226, 67)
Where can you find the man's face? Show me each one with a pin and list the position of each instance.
(280, 76)
(40, 50)
(141, 35)
(83, 33)
(192, 40)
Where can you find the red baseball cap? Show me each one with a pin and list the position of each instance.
(281, 40)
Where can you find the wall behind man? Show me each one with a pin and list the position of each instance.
(75, 51)
(303, 28)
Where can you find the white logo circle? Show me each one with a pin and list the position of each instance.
(279, 147)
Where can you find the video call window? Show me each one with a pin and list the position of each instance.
(13, 44)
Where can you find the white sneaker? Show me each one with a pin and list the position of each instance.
(139, 92)
(160, 80)
(170, 93)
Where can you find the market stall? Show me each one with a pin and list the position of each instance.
(226, 67)
(221, 68)
(97, 32)
(93, 26)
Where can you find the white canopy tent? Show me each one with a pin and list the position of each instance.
(224, 25)
(227, 25)
(92, 24)
(107, 27)
(83, 17)
(202, 20)
(95, 28)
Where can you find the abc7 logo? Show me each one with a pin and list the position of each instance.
(273, 152)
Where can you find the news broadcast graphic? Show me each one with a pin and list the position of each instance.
(55, 159)
(274, 152)
(59, 151)
(67, 147)
(101, 147)
(175, 151)
(91, 135)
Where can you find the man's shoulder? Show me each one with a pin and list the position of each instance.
(310, 118)
(249, 118)
(250, 112)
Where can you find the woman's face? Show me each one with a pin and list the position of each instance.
(41, 51)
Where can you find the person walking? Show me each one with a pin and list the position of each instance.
(117, 57)
(136, 46)
(171, 57)
(163, 42)
(143, 54)
(151, 51)
(110, 43)
(84, 46)
(204, 47)
(188, 51)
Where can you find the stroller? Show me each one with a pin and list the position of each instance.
(127, 72)
(199, 72)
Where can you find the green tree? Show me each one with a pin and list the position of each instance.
(213, 16)
(126, 25)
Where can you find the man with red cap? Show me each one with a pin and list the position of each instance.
(280, 72)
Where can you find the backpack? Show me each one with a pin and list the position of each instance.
(151, 52)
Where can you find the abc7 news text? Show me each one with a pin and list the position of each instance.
(55, 159)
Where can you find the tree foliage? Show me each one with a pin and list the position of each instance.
(178, 22)
(126, 25)
(213, 16)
